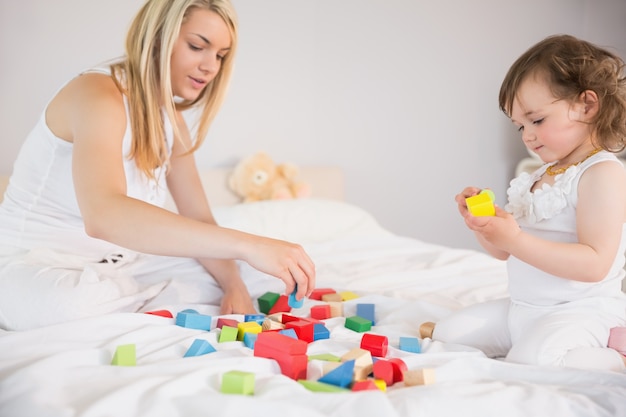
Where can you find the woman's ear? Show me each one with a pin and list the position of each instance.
(585, 107)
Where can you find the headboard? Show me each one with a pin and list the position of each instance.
(325, 182)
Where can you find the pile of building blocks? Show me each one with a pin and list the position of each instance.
(278, 335)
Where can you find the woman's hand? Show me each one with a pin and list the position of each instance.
(285, 261)
(237, 301)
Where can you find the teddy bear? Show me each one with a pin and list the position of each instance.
(257, 178)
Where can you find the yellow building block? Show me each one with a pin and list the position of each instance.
(248, 327)
(481, 204)
(348, 295)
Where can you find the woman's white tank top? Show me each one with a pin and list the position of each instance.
(40, 209)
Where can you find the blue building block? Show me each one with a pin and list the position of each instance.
(341, 376)
(367, 311)
(289, 332)
(199, 347)
(193, 321)
(410, 344)
(320, 332)
(293, 302)
(249, 339)
(254, 317)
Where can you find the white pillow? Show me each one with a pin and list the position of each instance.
(299, 220)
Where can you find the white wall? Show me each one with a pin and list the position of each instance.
(402, 94)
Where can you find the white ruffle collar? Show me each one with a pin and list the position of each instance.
(545, 202)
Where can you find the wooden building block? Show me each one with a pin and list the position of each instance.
(348, 295)
(248, 327)
(269, 324)
(336, 308)
(410, 344)
(194, 321)
(358, 324)
(270, 342)
(390, 371)
(377, 345)
(341, 376)
(281, 305)
(424, 376)
(320, 312)
(320, 332)
(328, 357)
(238, 382)
(317, 386)
(317, 293)
(332, 297)
(367, 311)
(222, 321)
(199, 347)
(293, 301)
(254, 317)
(267, 301)
(162, 313)
(365, 385)
(304, 329)
(289, 332)
(228, 334)
(363, 372)
(362, 357)
(125, 355)
(249, 340)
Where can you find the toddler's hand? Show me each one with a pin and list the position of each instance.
(460, 199)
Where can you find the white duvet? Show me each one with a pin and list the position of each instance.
(65, 370)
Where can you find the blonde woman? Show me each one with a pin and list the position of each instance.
(82, 228)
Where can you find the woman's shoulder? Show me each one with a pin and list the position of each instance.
(88, 97)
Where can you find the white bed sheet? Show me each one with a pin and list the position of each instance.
(64, 370)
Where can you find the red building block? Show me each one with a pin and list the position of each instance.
(281, 305)
(304, 329)
(390, 371)
(226, 322)
(366, 385)
(272, 342)
(288, 352)
(162, 313)
(318, 292)
(320, 312)
(376, 344)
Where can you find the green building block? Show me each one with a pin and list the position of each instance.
(358, 324)
(125, 355)
(228, 334)
(238, 382)
(328, 357)
(317, 386)
(267, 301)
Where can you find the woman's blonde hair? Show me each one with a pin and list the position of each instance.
(144, 75)
(572, 66)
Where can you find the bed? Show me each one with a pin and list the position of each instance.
(66, 370)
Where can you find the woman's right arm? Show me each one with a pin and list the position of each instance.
(95, 119)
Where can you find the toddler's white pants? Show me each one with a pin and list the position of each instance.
(573, 334)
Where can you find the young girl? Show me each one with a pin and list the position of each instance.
(82, 231)
(562, 233)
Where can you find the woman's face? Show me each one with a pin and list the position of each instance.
(198, 52)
